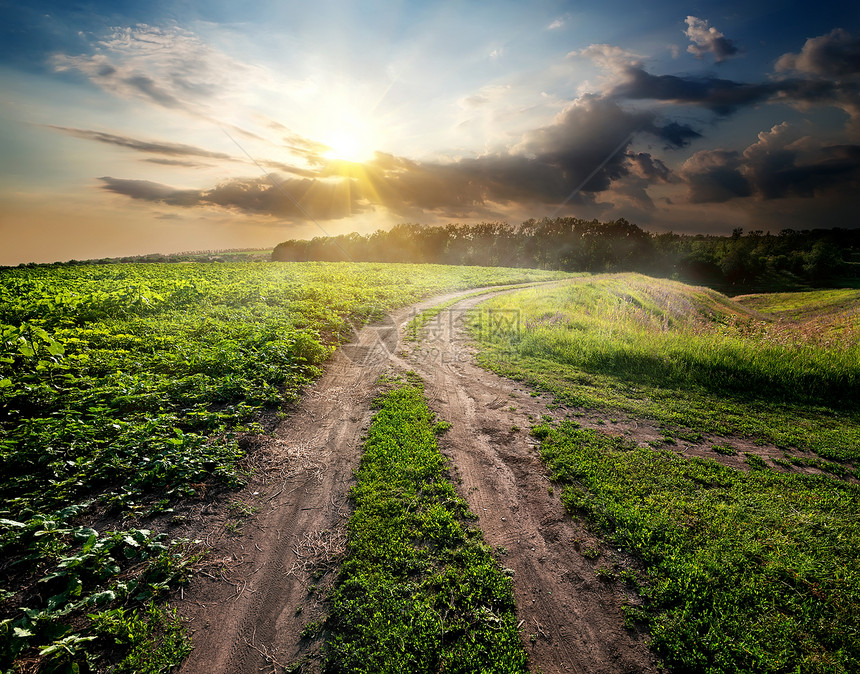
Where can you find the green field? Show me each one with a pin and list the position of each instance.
(742, 570)
(123, 389)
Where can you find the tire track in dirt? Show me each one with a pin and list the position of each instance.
(247, 612)
(572, 620)
(249, 604)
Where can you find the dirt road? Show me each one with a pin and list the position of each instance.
(274, 551)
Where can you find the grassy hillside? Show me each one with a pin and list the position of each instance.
(827, 317)
(687, 357)
(742, 570)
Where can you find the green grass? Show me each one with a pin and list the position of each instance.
(419, 591)
(124, 389)
(686, 357)
(744, 571)
(829, 318)
(803, 304)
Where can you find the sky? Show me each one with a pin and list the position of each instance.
(131, 127)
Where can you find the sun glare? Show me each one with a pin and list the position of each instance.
(346, 145)
(350, 136)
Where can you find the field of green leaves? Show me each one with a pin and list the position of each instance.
(741, 570)
(124, 389)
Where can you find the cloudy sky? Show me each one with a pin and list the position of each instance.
(130, 127)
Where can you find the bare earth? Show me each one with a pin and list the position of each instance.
(273, 550)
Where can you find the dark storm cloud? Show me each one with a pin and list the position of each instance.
(644, 165)
(778, 166)
(169, 149)
(677, 135)
(725, 97)
(583, 152)
(291, 199)
(836, 54)
(460, 189)
(706, 39)
(174, 162)
(714, 176)
(719, 95)
(147, 190)
(589, 132)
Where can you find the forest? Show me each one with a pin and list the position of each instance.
(740, 262)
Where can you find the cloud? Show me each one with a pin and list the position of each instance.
(609, 57)
(593, 124)
(174, 162)
(630, 80)
(291, 199)
(831, 64)
(629, 196)
(288, 168)
(168, 67)
(147, 190)
(779, 165)
(706, 39)
(644, 165)
(714, 176)
(721, 96)
(558, 23)
(585, 148)
(725, 97)
(304, 148)
(836, 54)
(152, 147)
(311, 151)
(627, 79)
(581, 153)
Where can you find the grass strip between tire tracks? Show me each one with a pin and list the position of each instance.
(419, 590)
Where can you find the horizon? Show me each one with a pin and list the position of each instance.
(133, 129)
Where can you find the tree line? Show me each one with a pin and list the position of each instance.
(790, 258)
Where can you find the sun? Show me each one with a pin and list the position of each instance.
(347, 145)
(350, 135)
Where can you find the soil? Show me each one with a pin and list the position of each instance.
(272, 549)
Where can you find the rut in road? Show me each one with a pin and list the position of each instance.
(247, 616)
(572, 621)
